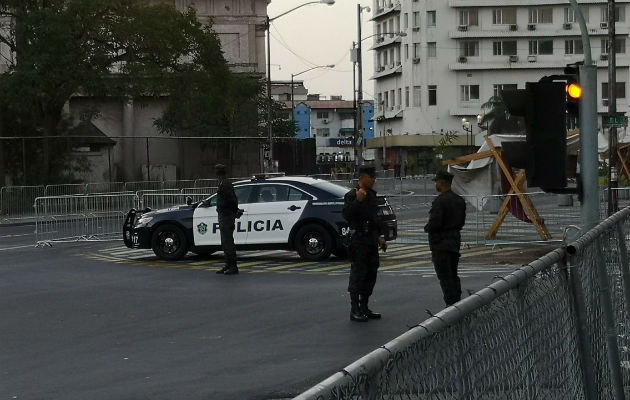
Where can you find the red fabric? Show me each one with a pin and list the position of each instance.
(515, 206)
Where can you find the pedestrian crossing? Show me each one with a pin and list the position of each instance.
(399, 259)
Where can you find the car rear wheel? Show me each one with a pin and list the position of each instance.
(169, 242)
(313, 242)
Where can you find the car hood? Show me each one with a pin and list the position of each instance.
(168, 210)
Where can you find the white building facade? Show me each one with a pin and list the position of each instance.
(456, 54)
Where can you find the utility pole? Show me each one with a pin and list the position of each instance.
(358, 140)
(612, 110)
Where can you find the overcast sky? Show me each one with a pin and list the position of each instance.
(318, 34)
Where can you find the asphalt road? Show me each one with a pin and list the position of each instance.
(75, 327)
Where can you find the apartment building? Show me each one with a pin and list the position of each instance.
(456, 54)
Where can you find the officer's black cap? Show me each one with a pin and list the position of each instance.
(443, 176)
(219, 169)
(367, 170)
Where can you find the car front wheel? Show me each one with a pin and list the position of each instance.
(313, 242)
(169, 242)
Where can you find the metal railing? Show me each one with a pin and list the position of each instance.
(549, 330)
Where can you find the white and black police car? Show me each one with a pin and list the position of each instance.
(291, 213)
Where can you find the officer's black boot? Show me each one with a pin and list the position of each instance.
(231, 268)
(363, 303)
(355, 310)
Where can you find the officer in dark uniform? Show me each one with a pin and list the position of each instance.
(227, 210)
(446, 220)
(360, 208)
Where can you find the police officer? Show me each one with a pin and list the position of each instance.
(446, 220)
(360, 208)
(227, 210)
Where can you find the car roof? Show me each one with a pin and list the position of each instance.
(283, 179)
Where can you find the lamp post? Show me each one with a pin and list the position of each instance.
(300, 73)
(269, 20)
(468, 129)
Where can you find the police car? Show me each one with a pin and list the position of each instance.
(292, 213)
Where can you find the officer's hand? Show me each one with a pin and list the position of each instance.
(382, 243)
(361, 194)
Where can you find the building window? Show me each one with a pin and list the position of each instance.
(405, 21)
(504, 48)
(500, 87)
(469, 92)
(416, 19)
(393, 99)
(379, 106)
(431, 18)
(406, 96)
(417, 96)
(544, 47)
(322, 115)
(385, 93)
(385, 58)
(432, 95)
(504, 16)
(416, 50)
(406, 51)
(620, 46)
(399, 99)
(569, 14)
(431, 49)
(469, 17)
(469, 49)
(322, 132)
(573, 46)
(541, 15)
(620, 14)
(620, 92)
(397, 52)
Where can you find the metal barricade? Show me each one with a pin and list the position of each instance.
(549, 330)
(201, 191)
(201, 183)
(87, 217)
(142, 185)
(105, 187)
(65, 189)
(16, 202)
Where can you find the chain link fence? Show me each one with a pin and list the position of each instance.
(549, 330)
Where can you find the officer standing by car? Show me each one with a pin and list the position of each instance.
(360, 209)
(446, 220)
(227, 211)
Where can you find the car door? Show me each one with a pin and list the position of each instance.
(206, 221)
(274, 211)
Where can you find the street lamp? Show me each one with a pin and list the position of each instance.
(300, 73)
(269, 20)
(468, 129)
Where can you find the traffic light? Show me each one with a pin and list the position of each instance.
(573, 90)
(543, 154)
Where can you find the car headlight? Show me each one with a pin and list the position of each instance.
(143, 221)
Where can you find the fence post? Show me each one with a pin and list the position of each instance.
(623, 265)
(576, 293)
(614, 362)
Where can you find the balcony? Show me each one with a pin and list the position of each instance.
(388, 70)
(391, 7)
(527, 62)
(521, 3)
(545, 30)
(386, 40)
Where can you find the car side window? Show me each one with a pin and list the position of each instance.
(213, 201)
(296, 195)
(268, 194)
(243, 193)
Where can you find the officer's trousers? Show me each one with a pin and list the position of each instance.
(365, 263)
(445, 263)
(226, 227)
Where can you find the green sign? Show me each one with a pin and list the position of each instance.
(615, 121)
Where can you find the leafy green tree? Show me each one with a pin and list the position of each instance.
(118, 49)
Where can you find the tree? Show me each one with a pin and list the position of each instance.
(496, 118)
(120, 49)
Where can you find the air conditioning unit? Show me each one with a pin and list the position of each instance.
(462, 28)
(603, 57)
(463, 59)
(567, 26)
(391, 65)
(380, 68)
(380, 39)
(416, 29)
(603, 25)
(531, 27)
(605, 102)
(513, 59)
(532, 58)
(513, 27)
(416, 60)
(324, 121)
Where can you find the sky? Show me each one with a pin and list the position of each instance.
(319, 34)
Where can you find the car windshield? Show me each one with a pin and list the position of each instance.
(332, 188)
